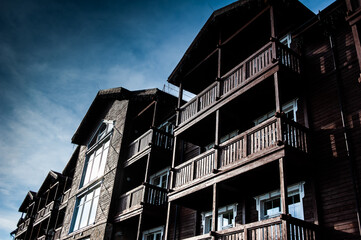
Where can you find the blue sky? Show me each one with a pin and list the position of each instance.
(55, 56)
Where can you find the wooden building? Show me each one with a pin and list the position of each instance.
(269, 147)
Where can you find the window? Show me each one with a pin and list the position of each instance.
(102, 131)
(153, 234)
(286, 40)
(97, 154)
(95, 163)
(160, 179)
(85, 208)
(289, 109)
(269, 204)
(226, 218)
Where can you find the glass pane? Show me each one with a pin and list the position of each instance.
(208, 226)
(103, 161)
(95, 170)
(157, 236)
(156, 181)
(227, 219)
(164, 182)
(85, 215)
(150, 237)
(88, 167)
(93, 210)
(78, 211)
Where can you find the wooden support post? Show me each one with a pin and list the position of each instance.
(283, 186)
(277, 93)
(272, 21)
(180, 96)
(283, 192)
(146, 175)
(218, 94)
(244, 211)
(172, 175)
(215, 209)
(216, 141)
(139, 231)
(166, 231)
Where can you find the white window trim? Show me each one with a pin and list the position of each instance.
(81, 194)
(109, 130)
(286, 39)
(220, 211)
(291, 190)
(160, 173)
(153, 230)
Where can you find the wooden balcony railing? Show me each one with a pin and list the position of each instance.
(144, 194)
(257, 139)
(244, 72)
(57, 233)
(23, 227)
(65, 197)
(155, 137)
(42, 237)
(44, 212)
(279, 228)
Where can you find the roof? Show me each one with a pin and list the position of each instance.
(227, 20)
(50, 179)
(105, 97)
(30, 196)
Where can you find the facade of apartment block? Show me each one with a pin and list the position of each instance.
(269, 147)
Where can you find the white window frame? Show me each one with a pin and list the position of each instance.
(286, 40)
(153, 231)
(291, 190)
(290, 106)
(91, 217)
(162, 173)
(100, 136)
(101, 144)
(221, 211)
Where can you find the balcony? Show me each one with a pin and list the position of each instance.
(257, 64)
(64, 199)
(132, 202)
(57, 233)
(153, 137)
(44, 212)
(258, 141)
(23, 227)
(279, 228)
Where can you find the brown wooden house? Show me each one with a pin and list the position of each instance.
(269, 147)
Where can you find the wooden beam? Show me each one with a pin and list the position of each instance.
(277, 93)
(216, 140)
(154, 123)
(166, 231)
(215, 209)
(139, 230)
(272, 21)
(246, 25)
(201, 62)
(356, 38)
(146, 175)
(145, 109)
(283, 186)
